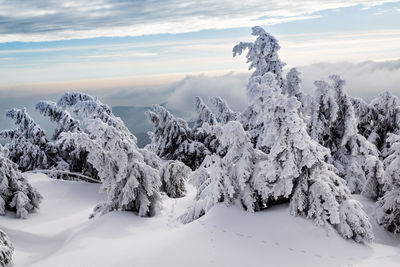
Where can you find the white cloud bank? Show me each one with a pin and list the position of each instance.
(365, 80)
(22, 20)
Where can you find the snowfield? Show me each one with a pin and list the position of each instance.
(60, 234)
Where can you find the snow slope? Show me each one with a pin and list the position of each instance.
(61, 234)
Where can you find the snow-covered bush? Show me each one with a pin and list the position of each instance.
(6, 250)
(16, 194)
(127, 173)
(173, 176)
(67, 157)
(172, 139)
(28, 144)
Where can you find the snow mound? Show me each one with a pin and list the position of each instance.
(61, 234)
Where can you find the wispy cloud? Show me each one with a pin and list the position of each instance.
(60, 20)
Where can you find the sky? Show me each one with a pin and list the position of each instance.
(155, 51)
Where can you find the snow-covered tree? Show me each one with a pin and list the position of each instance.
(366, 116)
(223, 112)
(6, 250)
(224, 179)
(296, 170)
(334, 125)
(173, 175)
(16, 194)
(263, 57)
(388, 213)
(200, 132)
(387, 120)
(172, 139)
(70, 158)
(27, 146)
(127, 173)
(204, 114)
(292, 88)
(251, 116)
(324, 113)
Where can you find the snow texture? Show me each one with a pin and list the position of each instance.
(6, 250)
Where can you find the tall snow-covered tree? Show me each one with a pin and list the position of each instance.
(223, 112)
(127, 173)
(388, 212)
(263, 57)
(16, 194)
(27, 146)
(172, 139)
(6, 250)
(174, 174)
(296, 171)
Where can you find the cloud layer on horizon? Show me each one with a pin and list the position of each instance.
(365, 80)
(62, 20)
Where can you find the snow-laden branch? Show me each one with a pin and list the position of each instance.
(78, 175)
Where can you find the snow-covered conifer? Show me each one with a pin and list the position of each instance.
(296, 170)
(387, 120)
(251, 117)
(263, 57)
(173, 175)
(27, 146)
(6, 250)
(324, 112)
(200, 132)
(388, 213)
(366, 116)
(292, 88)
(16, 194)
(171, 139)
(204, 114)
(127, 173)
(334, 125)
(224, 179)
(223, 112)
(70, 158)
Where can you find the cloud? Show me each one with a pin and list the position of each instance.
(61, 20)
(366, 80)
